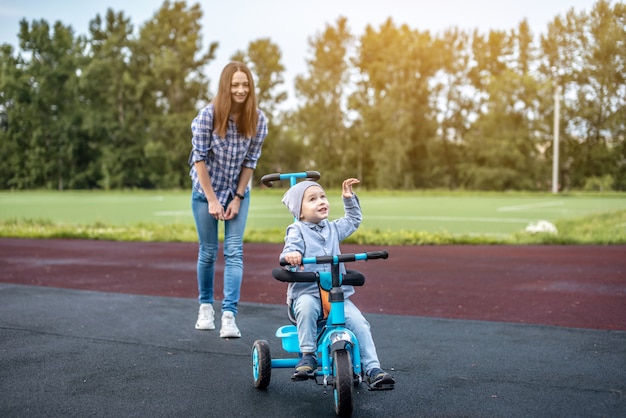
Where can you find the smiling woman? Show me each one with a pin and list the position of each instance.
(227, 137)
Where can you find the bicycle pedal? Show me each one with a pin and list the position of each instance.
(381, 386)
(301, 376)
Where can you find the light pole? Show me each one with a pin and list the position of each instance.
(555, 154)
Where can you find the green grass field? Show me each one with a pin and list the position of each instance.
(386, 214)
(462, 213)
(455, 214)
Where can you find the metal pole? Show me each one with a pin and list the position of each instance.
(555, 155)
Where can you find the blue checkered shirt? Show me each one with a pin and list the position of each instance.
(224, 156)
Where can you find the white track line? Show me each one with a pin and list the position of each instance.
(529, 206)
(451, 219)
(379, 217)
(173, 213)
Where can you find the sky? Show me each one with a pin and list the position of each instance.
(291, 23)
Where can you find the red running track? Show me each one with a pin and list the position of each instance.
(571, 286)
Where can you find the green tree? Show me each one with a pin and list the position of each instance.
(396, 65)
(320, 120)
(585, 55)
(14, 94)
(399, 108)
(108, 88)
(503, 151)
(454, 101)
(43, 106)
(167, 65)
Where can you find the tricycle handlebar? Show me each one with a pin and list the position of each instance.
(341, 258)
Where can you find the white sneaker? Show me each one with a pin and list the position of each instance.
(206, 317)
(229, 327)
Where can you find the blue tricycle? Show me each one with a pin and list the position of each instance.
(337, 346)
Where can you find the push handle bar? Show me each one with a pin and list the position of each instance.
(309, 175)
(341, 258)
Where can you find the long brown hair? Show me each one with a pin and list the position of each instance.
(247, 122)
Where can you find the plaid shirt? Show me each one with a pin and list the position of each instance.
(224, 156)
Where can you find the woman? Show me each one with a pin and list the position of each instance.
(227, 136)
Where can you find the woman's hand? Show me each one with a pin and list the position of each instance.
(216, 210)
(233, 209)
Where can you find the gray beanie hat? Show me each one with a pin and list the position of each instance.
(293, 197)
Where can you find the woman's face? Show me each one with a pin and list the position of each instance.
(239, 88)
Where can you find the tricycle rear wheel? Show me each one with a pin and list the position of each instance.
(261, 364)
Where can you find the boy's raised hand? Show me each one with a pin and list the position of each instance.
(347, 186)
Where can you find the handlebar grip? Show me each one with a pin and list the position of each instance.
(313, 175)
(353, 278)
(372, 255)
(269, 178)
(294, 277)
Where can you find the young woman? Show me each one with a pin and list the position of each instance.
(227, 136)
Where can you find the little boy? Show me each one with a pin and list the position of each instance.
(312, 235)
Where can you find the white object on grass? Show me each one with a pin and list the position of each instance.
(541, 227)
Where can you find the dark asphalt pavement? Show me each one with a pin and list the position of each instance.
(76, 353)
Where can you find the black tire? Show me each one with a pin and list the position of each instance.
(343, 382)
(261, 364)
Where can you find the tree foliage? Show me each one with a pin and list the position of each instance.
(395, 106)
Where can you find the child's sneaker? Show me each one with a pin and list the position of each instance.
(206, 317)
(306, 367)
(377, 379)
(229, 327)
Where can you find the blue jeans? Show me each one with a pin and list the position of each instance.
(207, 228)
(307, 309)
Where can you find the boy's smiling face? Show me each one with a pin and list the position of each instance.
(315, 206)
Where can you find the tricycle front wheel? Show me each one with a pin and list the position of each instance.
(343, 382)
